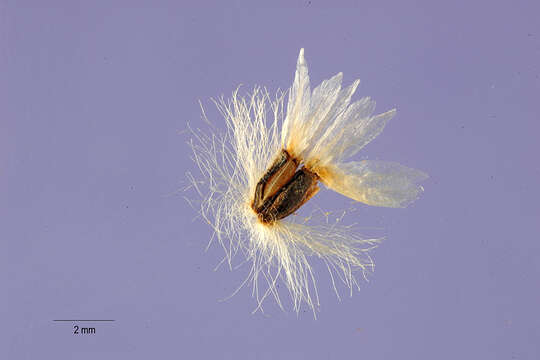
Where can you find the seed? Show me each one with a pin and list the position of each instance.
(282, 189)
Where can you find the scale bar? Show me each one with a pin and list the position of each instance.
(83, 320)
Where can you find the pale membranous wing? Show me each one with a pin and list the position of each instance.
(310, 114)
(353, 129)
(377, 183)
(299, 101)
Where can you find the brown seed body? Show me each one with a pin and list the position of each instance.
(278, 175)
(282, 189)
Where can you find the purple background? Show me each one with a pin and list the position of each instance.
(94, 100)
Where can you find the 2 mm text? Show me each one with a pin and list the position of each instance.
(83, 330)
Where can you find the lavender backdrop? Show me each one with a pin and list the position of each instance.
(94, 97)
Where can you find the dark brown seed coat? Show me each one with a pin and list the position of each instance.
(282, 189)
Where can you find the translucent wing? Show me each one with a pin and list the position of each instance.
(377, 183)
(299, 99)
(364, 132)
(322, 126)
(353, 129)
(310, 112)
(322, 102)
(327, 103)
